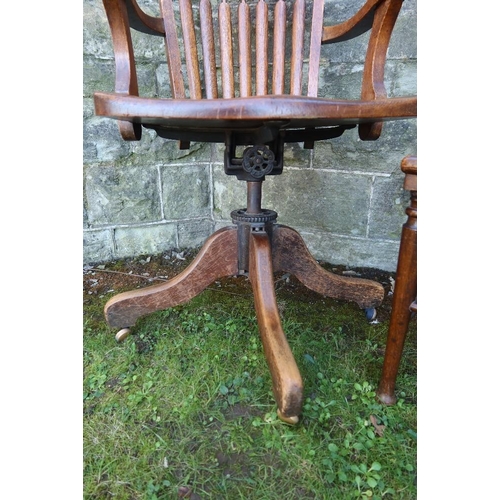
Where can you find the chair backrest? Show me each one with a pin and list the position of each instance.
(259, 43)
(268, 41)
(274, 50)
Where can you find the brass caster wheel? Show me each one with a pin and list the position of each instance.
(122, 334)
(289, 420)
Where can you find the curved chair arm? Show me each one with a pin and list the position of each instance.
(380, 16)
(119, 14)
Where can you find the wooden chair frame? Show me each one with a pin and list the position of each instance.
(262, 106)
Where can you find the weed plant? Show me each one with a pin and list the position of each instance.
(184, 406)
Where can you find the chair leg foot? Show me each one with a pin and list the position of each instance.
(386, 397)
(289, 420)
(287, 381)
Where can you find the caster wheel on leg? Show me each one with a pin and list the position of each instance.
(371, 313)
(122, 334)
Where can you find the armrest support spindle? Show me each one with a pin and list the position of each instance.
(373, 86)
(125, 76)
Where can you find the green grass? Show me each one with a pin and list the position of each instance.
(186, 401)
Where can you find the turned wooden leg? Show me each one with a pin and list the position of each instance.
(405, 292)
(290, 254)
(287, 381)
(217, 258)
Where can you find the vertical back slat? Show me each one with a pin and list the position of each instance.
(315, 47)
(172, 50)
(261, 47)
(277, 85)
(244, 49)
(208, 47)
(299, 14)
(279, 47)
(226, 50)
(191, 53)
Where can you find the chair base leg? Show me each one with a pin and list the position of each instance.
(287, 381)
(280, 249)
(290, 254)
(217, 258)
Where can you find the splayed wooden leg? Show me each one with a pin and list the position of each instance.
(287, 381)
(290, 254)
(217, 258)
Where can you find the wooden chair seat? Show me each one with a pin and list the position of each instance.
(209, 119)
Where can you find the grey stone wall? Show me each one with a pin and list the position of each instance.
(345, 197)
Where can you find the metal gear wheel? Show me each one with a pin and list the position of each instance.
(258, 161)
(262, 218)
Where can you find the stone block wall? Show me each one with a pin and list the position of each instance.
(345, 197)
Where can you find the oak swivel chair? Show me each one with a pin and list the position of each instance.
(404, 300)
(254, 107)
